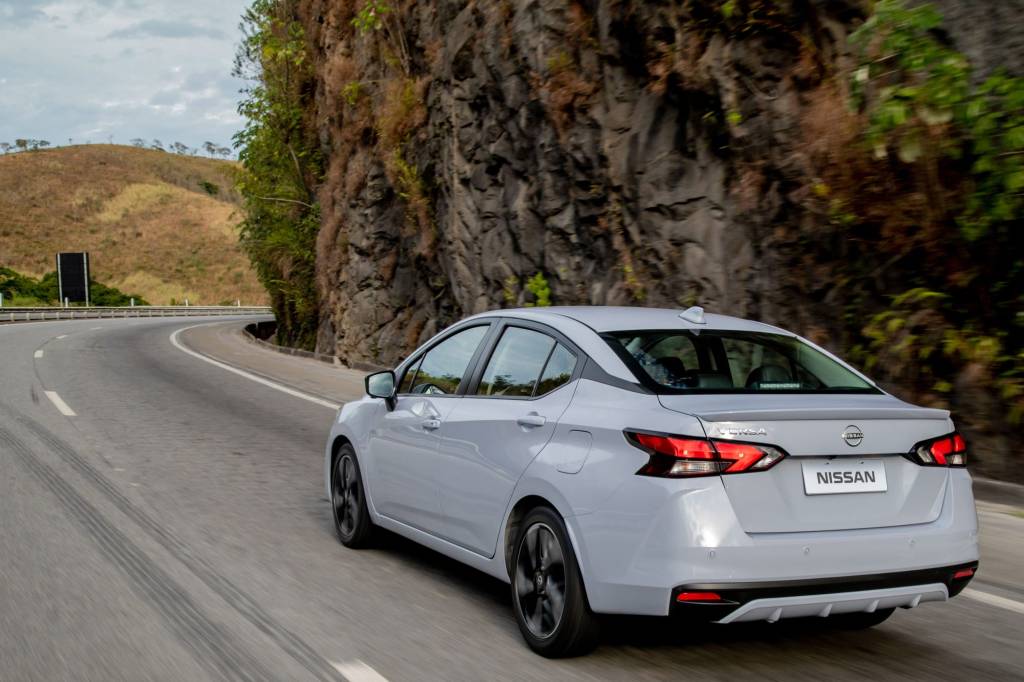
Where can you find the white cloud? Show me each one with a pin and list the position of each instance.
(92, 69)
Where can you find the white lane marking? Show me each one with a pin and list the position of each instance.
(63, 336)
(94, 328)
(59, 403)
(38, 354)
(242, 373)
(994, 600)
(357, 671)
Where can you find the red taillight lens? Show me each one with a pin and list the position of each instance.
(963, 573)
(746, 456)
(678, 456)
(698, 596)
(674, 446)
(950, 450)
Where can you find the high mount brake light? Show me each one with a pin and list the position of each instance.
(946, 451)
(681, 456)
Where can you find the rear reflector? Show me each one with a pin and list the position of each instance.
(698, 596)
(963, 573)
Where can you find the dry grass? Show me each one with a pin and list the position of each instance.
(149, 225)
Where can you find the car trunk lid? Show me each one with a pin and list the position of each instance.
(789, 497)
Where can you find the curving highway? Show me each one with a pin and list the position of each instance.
(162, 517)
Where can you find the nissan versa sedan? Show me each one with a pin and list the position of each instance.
(655, 462)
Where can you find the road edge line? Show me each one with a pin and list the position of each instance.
(994, 600)
(177, 343)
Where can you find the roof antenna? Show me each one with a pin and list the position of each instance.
(694, 314)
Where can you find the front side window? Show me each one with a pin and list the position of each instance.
(410, 374)
(716, 361)
(441, 370)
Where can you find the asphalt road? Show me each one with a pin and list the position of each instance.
(175, 528)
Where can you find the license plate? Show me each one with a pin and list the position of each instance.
(832, 476)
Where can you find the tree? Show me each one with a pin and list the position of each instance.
(157, 145)
(6, 147)
(224, 152)
(210, 148)
(42, 144)
(281, 160)
(138, 142)
(21, 144)
(179, 148)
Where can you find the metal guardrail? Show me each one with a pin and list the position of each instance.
(8, 315)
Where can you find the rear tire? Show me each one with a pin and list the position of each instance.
(859, 621)
(548, 596)
(348, 500)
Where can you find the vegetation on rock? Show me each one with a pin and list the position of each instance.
(281, 165)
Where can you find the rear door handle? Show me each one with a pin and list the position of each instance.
(531, 420)
(431, 424)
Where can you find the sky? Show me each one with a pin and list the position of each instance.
(114, 70)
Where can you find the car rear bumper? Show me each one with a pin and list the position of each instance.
(650, 539)
(772, 601)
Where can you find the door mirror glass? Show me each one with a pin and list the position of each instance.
(381, 384)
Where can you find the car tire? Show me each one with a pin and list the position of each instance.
(548, 595)
(858, 621)
(348, 500)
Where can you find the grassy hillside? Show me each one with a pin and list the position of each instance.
(159, 224)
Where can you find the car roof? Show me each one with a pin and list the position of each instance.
(628, 318)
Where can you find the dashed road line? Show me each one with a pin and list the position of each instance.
(38, 355)
(357, 671)
(62, 336)
(59, 403)
(248, 375)
(994, 600)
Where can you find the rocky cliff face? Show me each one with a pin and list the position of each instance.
(649, 153)
(628, 152)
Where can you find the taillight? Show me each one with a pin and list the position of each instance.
(949, 450)
(678, 456)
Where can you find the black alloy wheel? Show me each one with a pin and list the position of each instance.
(540, 580)
(348, 501)
(547, 590)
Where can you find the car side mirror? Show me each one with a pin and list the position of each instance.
(382, 385)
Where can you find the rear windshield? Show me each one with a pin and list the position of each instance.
(710, 361)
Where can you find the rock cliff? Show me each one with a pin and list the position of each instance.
(615, 151)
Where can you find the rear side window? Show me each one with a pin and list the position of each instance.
(558, 371)
(441, 370)
(516, 363)
(526, 363)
